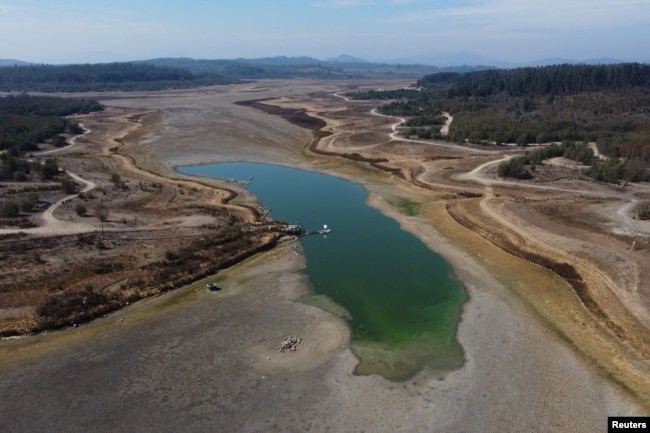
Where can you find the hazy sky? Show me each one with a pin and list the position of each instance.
(66, 31)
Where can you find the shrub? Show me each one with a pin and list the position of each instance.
(80, 209)
(107, 268)
(68, 186)
(58, 141)
(70, 305)
(513, 168)
(28, 203)
(10, 209)
(19, 176)
(48, 170)
(644, 212)
(610, 171)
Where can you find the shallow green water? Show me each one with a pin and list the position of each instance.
(399, 297)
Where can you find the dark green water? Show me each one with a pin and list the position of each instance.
(399, 297)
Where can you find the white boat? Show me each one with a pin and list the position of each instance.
(325, 230)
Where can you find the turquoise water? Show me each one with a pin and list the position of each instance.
(399, 297)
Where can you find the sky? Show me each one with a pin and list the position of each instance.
(93, 31)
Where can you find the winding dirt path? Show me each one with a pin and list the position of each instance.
(477, 175)
(51, 226)
(71, 143)
(395, 137)
(623, 211)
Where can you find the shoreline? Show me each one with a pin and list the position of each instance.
(518, 373)
(391, 211)
(452, 255)
(528, 324)
(622, 374)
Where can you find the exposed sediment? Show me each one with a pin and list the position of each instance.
(193, 359)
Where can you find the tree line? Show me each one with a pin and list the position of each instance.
(611, 170)
(102, 77)
(27, 121)
(605, 104)
(22, 104)
(384, 94)
(564, 79)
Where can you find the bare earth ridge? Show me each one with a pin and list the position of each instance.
(554, 332)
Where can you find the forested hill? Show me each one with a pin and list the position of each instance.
(304, 67)
(26, 121)
(102, 77)
(574, 105)
(549, 80)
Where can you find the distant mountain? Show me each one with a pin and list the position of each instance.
(564, 61)
(472, 59)
(442, 60)
(12, 62)
(345, 58)
(281, 61)
(343, 66)
(423, 63)
(266, 67)
(605, 61)
(103, 77)
(547, 62)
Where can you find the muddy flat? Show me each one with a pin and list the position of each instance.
(537, 357)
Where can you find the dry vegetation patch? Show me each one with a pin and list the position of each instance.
(141, 234)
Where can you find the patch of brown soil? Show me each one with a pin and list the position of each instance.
(160, 234)
(516, 247)
(298, 117)
(603, 331)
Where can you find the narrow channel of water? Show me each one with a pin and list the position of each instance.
(399, 297)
